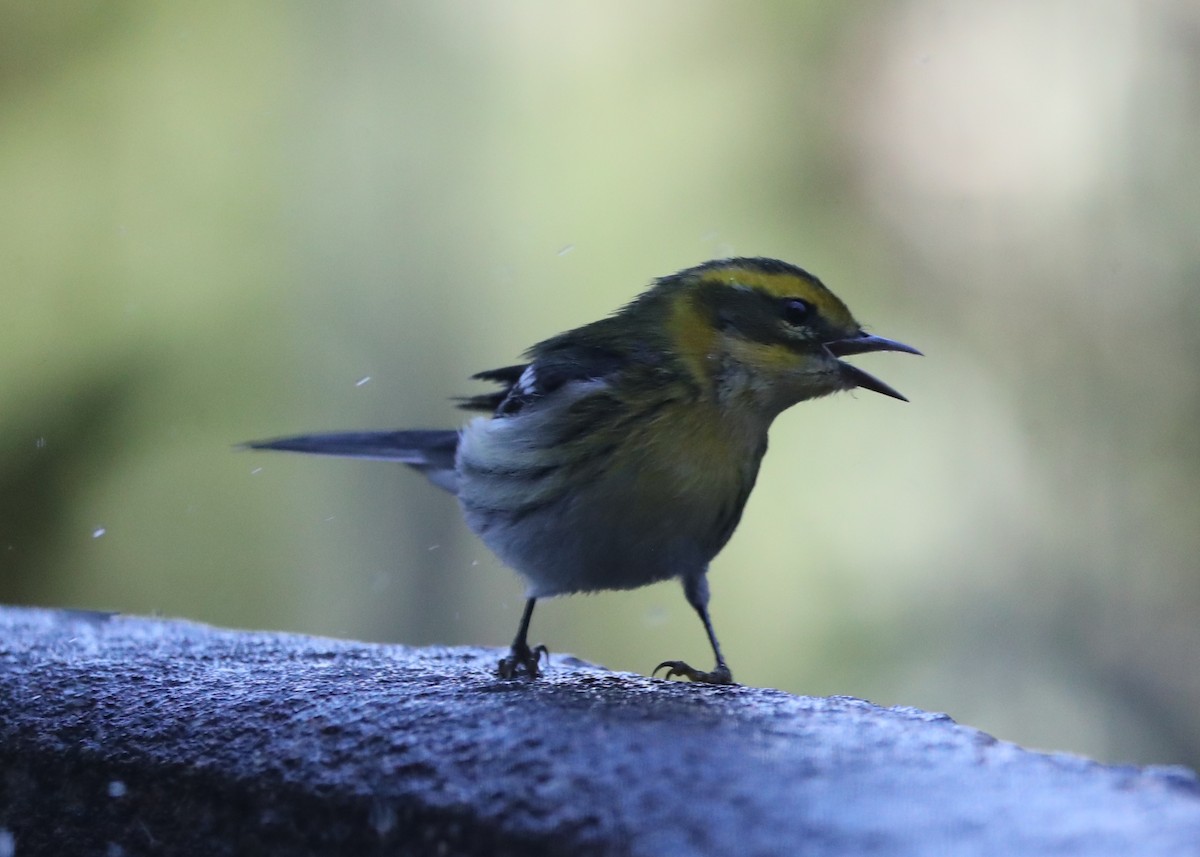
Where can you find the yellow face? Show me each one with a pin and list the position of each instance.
(755, 331)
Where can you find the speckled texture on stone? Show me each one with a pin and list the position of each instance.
(122, 735)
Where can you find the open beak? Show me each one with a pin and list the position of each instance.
(862, 344)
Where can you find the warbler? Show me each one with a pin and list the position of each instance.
(622, 452)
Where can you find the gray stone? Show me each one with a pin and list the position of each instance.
(125, 735)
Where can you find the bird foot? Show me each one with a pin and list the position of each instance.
(523, 658)
(719, 675)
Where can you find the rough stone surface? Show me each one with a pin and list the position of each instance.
(126, 736)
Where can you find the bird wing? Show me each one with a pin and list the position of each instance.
(555, 364)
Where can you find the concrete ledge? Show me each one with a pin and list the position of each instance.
(123, 735)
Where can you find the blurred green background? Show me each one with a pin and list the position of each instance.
(225, 221)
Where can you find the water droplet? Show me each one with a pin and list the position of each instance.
(382, 817)
(98, 532)
(116, 788)
(365, 379)
(8, 843)
(565, 249)
(655, 616)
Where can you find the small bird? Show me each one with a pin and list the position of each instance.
(623, 452)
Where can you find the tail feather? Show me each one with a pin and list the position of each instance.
(430, 452)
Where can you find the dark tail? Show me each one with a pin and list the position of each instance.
(431, 451)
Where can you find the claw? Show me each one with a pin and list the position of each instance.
(526, 659)
(720, 674)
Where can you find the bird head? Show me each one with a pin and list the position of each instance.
(765, 332)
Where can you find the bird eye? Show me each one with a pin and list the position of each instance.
(796, 311)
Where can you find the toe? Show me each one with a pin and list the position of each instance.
(720, 674)
(525, 660)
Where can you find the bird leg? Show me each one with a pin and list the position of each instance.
(696, 591)
(521, 657)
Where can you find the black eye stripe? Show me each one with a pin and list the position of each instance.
(796, 311)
